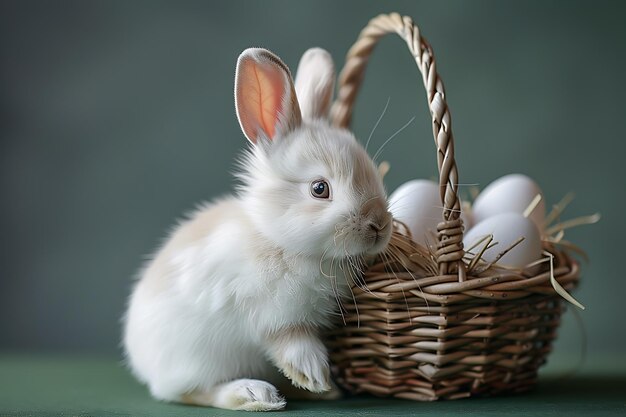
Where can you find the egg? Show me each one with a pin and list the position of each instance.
(417, 204)
(511, 193)
(507, 228)
(467, 215)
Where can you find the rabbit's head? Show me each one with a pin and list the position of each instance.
(308, 187)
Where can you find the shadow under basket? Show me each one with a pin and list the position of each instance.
(439, 323)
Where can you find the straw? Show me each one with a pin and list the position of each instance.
(437, 321)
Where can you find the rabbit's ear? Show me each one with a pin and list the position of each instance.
(315, 82)
(265, 97)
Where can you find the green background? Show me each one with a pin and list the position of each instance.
(118, 117)
(84, 387)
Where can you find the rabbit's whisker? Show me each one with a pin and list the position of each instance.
(397, 258)
(322, 261)
(356, 307)
(378, 152)
(377, 122)
(333, 283)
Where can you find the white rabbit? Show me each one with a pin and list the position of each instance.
(246, 283)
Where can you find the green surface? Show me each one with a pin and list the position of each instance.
(43, 385)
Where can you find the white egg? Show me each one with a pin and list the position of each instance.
(506, 228)
(511, 193)
(417, 204)
(467, 215)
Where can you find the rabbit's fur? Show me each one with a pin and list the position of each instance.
(244, 285)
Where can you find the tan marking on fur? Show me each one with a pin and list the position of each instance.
(202, 224)
(296, 116)
(282, 338)
(376, 210)
(195, 398)
(234, 400)
(363, 171)
(270, 256)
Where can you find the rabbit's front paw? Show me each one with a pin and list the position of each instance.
(301, 356)
(308, 374)
(305, 363)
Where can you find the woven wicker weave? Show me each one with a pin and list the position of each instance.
(433, 324)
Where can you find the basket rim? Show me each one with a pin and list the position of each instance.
(401, 276)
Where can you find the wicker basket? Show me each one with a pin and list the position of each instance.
(433, 324)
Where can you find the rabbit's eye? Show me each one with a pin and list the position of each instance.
(320, 189)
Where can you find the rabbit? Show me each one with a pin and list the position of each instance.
(242, 288)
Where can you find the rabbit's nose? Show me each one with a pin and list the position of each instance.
(379, 225)
(386, 221)
(373, 206)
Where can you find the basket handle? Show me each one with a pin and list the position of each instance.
(450, 245)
